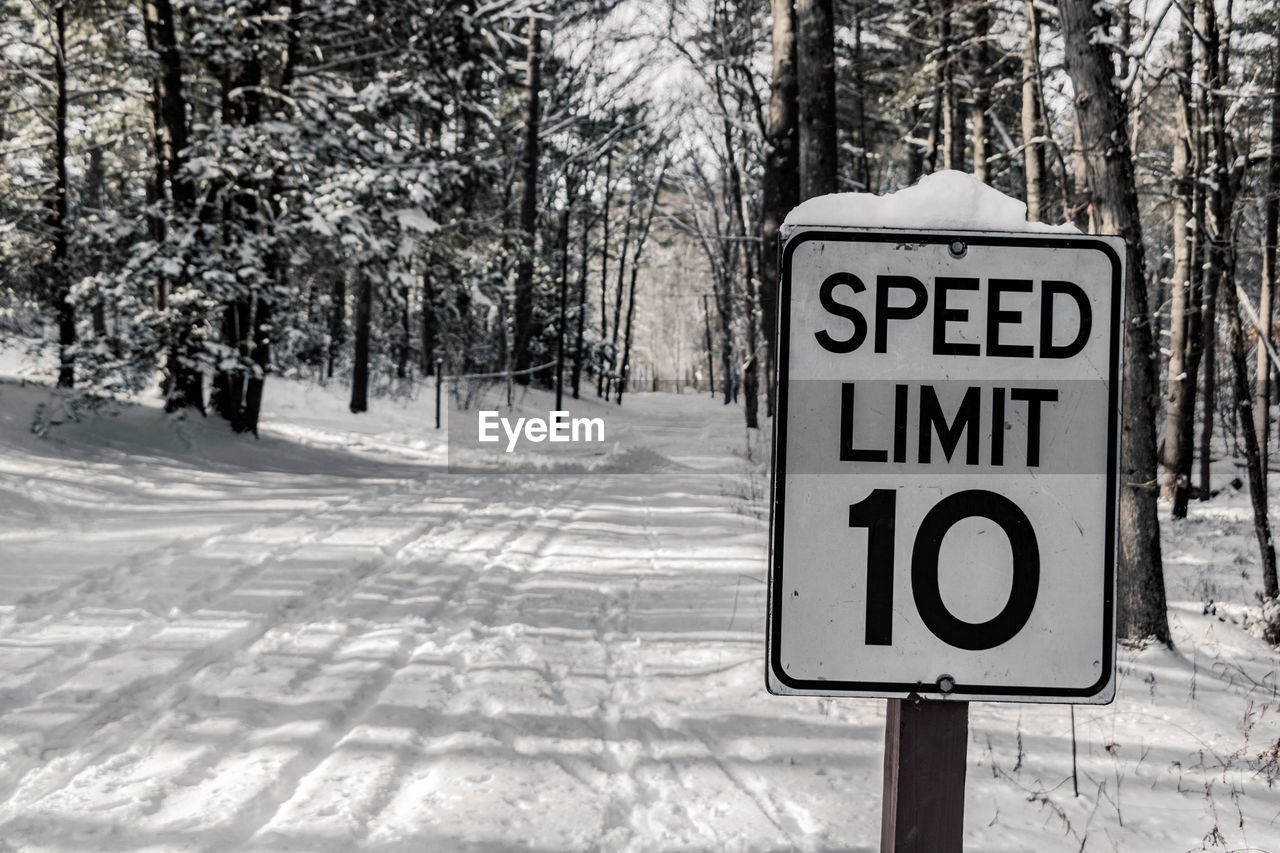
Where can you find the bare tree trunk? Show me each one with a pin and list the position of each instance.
(262, 314)
(1267, 287)
(930, 163)
(751, 367)
(430, 322)
(711, 365)
(1032, 121)
(275, 259)
(242, 108)
(723, 292)
(981, 72)
(1222, 268)
(529, 199)
(780, 187)
(1253, 457)
(562, 306)
(816, 81)
(337, 320)
(184, 383)
(360, 372)
(580, 333)
(612, 375)
(1102, 120)
(1196, 331)
(952, 116)
(59, 219)
(641, 239)
(1219, 205)
(94, 179)
(604, 271)
(915, 57)
(862, 165)
(402, 347)
(1184, 309)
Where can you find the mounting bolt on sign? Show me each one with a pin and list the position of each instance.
(943, 521)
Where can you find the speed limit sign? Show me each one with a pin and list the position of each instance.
(945, 458)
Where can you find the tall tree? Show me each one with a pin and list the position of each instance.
(1267, 286)
(528, 197)
(59, 219)
(363, 323)
(780, 185)
(1184, 309)
(1032, 120)
(184, 381)
(1219, 202)
(816, 87)
(952, 112)
(981, 60)
(1221, 270)
(641, 238)
(604, 268)
(1103, 125)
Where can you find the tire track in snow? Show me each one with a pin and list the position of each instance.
(261, 822)
(139, 633)
(88, 587)
(630, 791)
(111, 719)
(337, 603)
(485, 589)
(659, 785)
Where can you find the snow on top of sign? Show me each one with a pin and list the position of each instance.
(946, 200)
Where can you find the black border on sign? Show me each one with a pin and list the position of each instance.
(778, 484)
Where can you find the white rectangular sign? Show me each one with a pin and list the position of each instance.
(945, 466)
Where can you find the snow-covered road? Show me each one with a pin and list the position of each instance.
(317, 643)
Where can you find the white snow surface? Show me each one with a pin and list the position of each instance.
(946, 200)
(321, 641)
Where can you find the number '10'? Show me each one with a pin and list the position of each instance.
(877, 513)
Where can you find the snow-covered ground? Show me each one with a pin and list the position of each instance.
(324, 641)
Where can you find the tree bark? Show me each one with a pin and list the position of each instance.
(604, 271)
(242, 108)
(579, 334)
(711, 364)
(562, 307)
(184, 384)
(816, 81)
(60, 215)
(1242, 389)
(1199, 282)
(780, 187)
(529, 200)
(862, 162)
(94, 179)
(360, 371)
(337, 320)
(403, 344)
(952, 115)
(1267, 287)
(1219, 205)
(263, 310)
(1032, 121)
(430, 321)
(981, 73)
(612, 375)
(641, 239)
(1102, 120)
(1184, 309)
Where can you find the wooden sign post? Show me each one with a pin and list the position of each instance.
(925, 746)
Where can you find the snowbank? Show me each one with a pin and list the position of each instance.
(946, 200)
